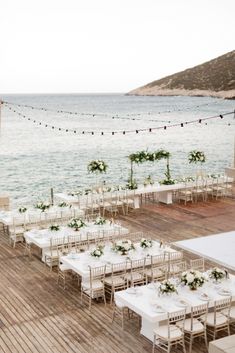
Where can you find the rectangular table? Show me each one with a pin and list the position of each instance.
(144, 302)
(41, 238)
(14, 216)
(79, 262)
(219, 248)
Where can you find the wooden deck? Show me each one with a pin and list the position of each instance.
(36, 316)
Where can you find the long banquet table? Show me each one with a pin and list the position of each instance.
(42, 237)
(153, 308)
(79, 262)
(165, 192)
(14, 216)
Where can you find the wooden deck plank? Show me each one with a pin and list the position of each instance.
(37, 317)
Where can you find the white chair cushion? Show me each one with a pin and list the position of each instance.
(95, 285)
(63, 267)
(135, 276)
(162, 332)
(220, 319)
(156, 272)
(54, 253)
(116, 281)
(197, 326)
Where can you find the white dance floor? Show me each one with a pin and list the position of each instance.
(219, 248)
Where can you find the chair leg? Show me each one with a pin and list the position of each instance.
(205, 337)
(190, 343)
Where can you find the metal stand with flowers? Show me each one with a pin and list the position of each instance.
(97, 167)
(197, 157)
(145, 156)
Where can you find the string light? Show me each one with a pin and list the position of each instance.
(83, 114)
(126, 131)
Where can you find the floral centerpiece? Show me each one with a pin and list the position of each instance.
(132, 184)
(193, 279)
(22, 209)
(63, 204)
(166, 287)
(100, 221)
(76, 223)
(97, 252)
(122, 247)
(43, 206)
(217, 274)
(196, 157)
(75, 193)
(148, 181)
(97, 166)
(146, 243)
(54, 227)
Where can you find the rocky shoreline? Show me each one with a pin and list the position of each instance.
(158, 91)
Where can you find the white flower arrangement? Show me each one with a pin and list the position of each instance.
(132, 184)
(75, 193)
(43, 206)
(166, 287)
(217, 274)
(193, 279)
(54, 227)
(196, 157)
(97, 166)
(148, 181)
(97, 252)
(76, 223)
(100, 221)
(146, 243)
(123, 247)
(22, 209)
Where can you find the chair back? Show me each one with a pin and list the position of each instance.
(174, 317)
(97, 273)
(220, 305)
(198, 264)
(198, 311)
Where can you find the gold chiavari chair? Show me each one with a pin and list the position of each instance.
(193, 327)
(158, 269)
(198, 264)
(198, 189)
(176, 269)
(63, 270)
(116, 281)
(51, 256)
(94, 287)
(128, 200)
(186, 194)
(136, 274)
(218, 188)
(16, 230)
(169, 335)
(216, 321)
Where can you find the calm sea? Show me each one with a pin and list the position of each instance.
(34, 158)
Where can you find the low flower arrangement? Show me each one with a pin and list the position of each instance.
(54, 227)
(22, 209)
(166, 287)
(76, 223)
(196, 157)
(148, 181)
(75, 193)
(132, 184)
(146, 243)
(43, 206)
(217, 274)
(98, 252)
(100, 221)
(123, 247)
(193, 279)
(97, 166)
(63, 204)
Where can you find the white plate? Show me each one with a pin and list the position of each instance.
(182, 303)
(158, 310)
(224, 292)
(206, 299)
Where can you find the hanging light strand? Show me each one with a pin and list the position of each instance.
(124, 132)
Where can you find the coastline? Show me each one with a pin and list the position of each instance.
(158, 91)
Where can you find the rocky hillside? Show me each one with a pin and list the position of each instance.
(214, 78)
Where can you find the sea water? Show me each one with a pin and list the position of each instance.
(35, 158)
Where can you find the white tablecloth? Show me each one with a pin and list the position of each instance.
(79, 262)
(146, 299)
(6, 217)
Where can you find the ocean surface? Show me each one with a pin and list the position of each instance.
(35, 158)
